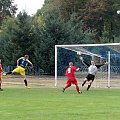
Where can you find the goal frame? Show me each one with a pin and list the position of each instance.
(83, 45)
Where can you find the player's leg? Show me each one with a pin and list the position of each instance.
(7, 73)
(77, 88)
(26, 82)
(1, 82)
(11, 72)
(1, 85)
(90, 79)
(90, 83)
(22, 72)
(74, 81)
(84, 81)
(68, 84)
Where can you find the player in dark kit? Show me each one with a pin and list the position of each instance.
(71, 77)
(92, 70)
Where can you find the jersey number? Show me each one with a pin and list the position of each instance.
(69, 70)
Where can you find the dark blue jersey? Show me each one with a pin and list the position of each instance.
(23, 62)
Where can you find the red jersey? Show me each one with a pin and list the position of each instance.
(1, 68)
(70, 71)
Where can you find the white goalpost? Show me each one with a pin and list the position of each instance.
(109, 52)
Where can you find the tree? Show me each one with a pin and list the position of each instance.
(76, 34)
(98, 16)
(56, 31)
(8, 48)
(17, 37)
(47, 36)
(112, 21)
(24, 33)
(6, 9)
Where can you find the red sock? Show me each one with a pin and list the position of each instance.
(77, 88)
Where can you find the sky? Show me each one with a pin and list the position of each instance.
(30, 6)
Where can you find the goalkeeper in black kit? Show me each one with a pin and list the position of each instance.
(92, 70)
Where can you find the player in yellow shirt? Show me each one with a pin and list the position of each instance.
(22, 63)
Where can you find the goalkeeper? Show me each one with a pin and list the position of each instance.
(22, 63)
(92, 70)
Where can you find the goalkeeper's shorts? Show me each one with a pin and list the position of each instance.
(90, 77)
(19, 70)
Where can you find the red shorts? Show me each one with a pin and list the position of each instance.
(71, 81)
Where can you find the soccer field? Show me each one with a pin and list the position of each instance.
(43, 103)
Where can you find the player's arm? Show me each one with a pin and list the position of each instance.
(98, 66)
(30, 64)
(84, 62)
(19, 60)
(1, 70)
(77, 69)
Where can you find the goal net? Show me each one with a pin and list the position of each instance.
(107, 76)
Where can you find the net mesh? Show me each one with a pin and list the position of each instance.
(96, 52)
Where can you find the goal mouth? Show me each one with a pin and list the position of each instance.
(100, 53)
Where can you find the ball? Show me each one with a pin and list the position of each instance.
(79, 53)
(118, 12)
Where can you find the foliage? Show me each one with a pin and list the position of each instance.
(56, 31)
(6, 9)
(17, 38)
(58, 22)
(7, 36)
(98, 16)
(49, 35)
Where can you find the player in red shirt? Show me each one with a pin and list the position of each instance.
(71, 77)
(1, 70)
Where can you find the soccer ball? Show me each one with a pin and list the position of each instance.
(118, 12)
(79, 53)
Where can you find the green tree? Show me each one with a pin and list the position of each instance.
(8, 48)
(56, 31)
(24, 33)
(76, 33)
(17, 37)
(112, 21)
(98, 16)
(47, 36)
(6, 9)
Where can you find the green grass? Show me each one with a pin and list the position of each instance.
(51, 104)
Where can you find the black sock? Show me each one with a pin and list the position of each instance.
(88, 87)
(8, 73)
(83, 83)
(25, 81)
(63, 89)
